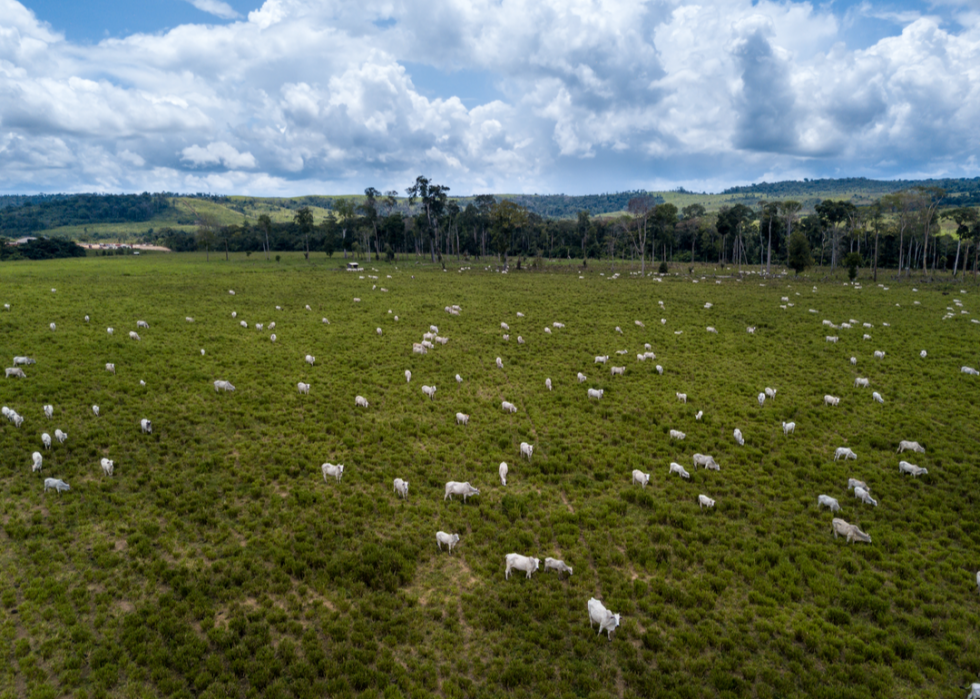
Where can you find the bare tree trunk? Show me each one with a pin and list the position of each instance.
(876, 257)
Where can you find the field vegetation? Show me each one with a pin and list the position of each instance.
(217, 561)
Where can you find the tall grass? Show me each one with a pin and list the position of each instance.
(217, 561)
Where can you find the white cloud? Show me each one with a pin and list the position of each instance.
(215, 7)
(311, 96)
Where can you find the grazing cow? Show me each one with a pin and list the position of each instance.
(427, 345)
(48, 411)
(866, 336)
(459, 379)
(914, 446)
(515, 561)
(310, 359)
(433, 328)
(555, 564)
(449, 540)
(682, 397)
(844, 452)
(911, 469)
(272, 326)
(827, 501)
(500, 363)
(133, 335)
(851, 531)
(581, 377)
(110, 367)
(243, 324)
(15, 371)
(107, 466)
(56, 483)
(504, 326)
(711, 330)
(660, 369)
(506, 338)
(456, 488)
(750, 330)
(408, 376)
(221, 385)
(23, 360)
(378, 330)
(831, 400)
(789, 427)
(923, 354)
(95, 409)
(596, 393)
(86, 319)
(53, 326)
(430, 391)
(462, 419)
(678, 469)
(877, 397)
(640, 477)
(38, 460)
(60, 436)
(606, 620)
(526, 450)
(739, 439)
(762, 399)
(698, 415)
(855, 483)
(547, 383)
(503, 472)
(335, 470)
(854, 361)
(547, 330)
(602, 359)
(234, 314)
(558, 325)
(975, 687)
(619, 330)
(272, 337)
(705, 501)
(618, 371)
(969, 370)
(861, 382)
(401, 487)
(508, 407)
(705, 461)
(260, 326)
(360, 402)
(879, 354)
(110, 330)
(864, 496)
(189, 319)
(146, 426)
(677, 434)
(303, 388)
(832, 338)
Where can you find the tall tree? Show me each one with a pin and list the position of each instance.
(768, 212)
(639, 209)
(370, 208)
(433, 199)
(484, 203)
(963, 217)
(664, 219)
(931, 197)
(584, 228)
(875, 217)
(506, 219)
(304, 221)
(265, 223)
(346, 210)
(731, 221)
(799, 252)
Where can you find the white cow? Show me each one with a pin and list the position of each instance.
(762, 399)
(503, 472)
(679, 470)
(310, 359)
(107, 466)
(46, 440)
(133, 335)
(335, 470)
(462, 419)
(558, 325)
(877, 397)
(640, 477)
(660, 369)
(53, 326)
(146, 426)
(698, 414)
(110, 330)
(832, 338)
(914, 446)
(449, 540)
(15, 371)
(851, 531)
(844, 452)
(677, 434)
(618, 371)
(303, 387)
(861, 382)
(705, 461)
(110, 367)
(378, 330)
(705, 501)
(401, 487)
(222, 385)
(581, 377)
(547, 383)
(596, 393)
(864, 496)
(526, 450)
(500, 363)
(56, 483)
(244, 324)
(23, 360)
(360, 402)
(827, 501)
(459, 379)
(456, 488)
(547, 330)
(831, 400)
(601, 359)
(38, 460)
(508, 407)
(739, 439)
(975, 687)
(682, 397)
(430, 391)
(855, 483)
(60, 436)
(969, 370)
(770, 393)
(504, 326)
(48, 411)
(911, 469)
(879, 354)
(95, 409)
(789, 427)
(555, 564)
(923, 354)
(606, 620)
(408, 376)
(854, 361)
(516, 561)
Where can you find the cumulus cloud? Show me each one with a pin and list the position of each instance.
(592, 95)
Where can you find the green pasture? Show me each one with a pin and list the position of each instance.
(217, 562)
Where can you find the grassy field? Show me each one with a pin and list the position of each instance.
(218, 562)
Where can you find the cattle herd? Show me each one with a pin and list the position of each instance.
(598, 614)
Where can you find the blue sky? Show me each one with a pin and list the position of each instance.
(288, 97)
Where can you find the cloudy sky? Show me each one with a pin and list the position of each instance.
(290, 97)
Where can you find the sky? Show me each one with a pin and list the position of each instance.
(294, 97)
